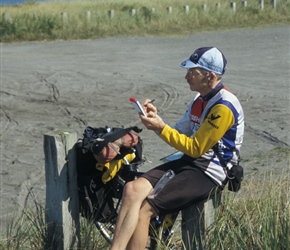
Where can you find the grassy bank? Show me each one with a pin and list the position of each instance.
(258, 217)
(90, 19)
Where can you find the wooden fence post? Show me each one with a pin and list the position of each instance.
(133, 12)
(186, 8)
(262, 4)
(244, 4)
(233, 6)
(88, 15)
(64, 16)
(196, 219)
(62, 210)
(111, 14)
(6, 18)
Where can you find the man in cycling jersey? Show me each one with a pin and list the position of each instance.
(214, 118)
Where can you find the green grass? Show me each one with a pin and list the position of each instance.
(29, 231)
(44, 21)
(258, 217)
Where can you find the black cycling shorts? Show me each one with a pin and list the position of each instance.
(189, 185)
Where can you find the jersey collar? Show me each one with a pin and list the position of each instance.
(213, 92)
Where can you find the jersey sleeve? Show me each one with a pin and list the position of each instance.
(218, 121)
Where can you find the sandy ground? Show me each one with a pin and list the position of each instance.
(72, 84)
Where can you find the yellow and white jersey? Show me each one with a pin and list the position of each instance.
(216, 118)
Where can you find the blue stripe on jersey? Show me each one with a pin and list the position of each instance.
(228, 140)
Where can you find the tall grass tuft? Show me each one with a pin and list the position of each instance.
(90, 238)
(257, 218)
(29, 231)
(40, 21)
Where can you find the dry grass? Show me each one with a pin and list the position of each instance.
(258, 217)
(44, 21)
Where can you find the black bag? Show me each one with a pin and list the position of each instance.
(95, 197)
(235, 175)
(97, 140)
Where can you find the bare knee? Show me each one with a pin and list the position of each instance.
(129, 191)
(137, 190)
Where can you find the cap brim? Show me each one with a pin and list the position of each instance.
(188, 64)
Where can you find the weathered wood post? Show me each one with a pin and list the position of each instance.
(233, 6)
(169, 10)
(186, 9)
(262, 4)
(132, 12)
(274, 3)
(196, 219)
(244, 4)
(88, 15)
(62, 211)
(6, 18)
(64, 16)
(111, 14)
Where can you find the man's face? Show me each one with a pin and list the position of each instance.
(197, 79)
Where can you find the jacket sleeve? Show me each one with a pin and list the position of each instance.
(215, 125)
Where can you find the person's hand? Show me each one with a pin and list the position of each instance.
(149, 107)
(153, 121)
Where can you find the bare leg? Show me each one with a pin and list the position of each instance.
(140, 235)
(133, 196)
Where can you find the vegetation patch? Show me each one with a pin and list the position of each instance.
(91, 19)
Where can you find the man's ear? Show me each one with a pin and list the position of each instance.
(212, 76)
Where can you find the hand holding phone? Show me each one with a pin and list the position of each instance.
(136, 104)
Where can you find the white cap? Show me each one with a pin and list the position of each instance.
(208, 58)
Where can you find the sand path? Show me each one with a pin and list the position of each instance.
(71, 84)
